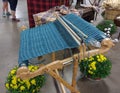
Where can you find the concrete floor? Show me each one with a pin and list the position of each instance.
(9, 45)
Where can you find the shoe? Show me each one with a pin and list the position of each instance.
(4, 15)
(8, 13)
(15, 20)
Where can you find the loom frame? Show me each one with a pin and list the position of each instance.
(53, 67)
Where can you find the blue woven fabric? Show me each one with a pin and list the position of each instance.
(42, 40)
(87, 28)
(52, 37)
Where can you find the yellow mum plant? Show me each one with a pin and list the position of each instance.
(95, 67)
(17, 85)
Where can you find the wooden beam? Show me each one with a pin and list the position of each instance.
(57, 77)
(24, 73)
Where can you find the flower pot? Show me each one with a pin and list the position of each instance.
(97, 79)
(16, 85)
(95, 66)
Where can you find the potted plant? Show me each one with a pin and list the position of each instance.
(95, 67)
(107, 26)
(17, 85)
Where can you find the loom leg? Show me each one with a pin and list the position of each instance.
(57, 77)
(82, 50)
(75, 68)
(56, 84)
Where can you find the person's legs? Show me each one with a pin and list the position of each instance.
(13, 5)
(13, 13)
(5, 7)
(7, 11)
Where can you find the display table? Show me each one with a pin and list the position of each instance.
(37, 6)
(87, 13)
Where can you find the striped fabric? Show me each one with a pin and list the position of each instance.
(87, 28)
(37, 6)
(52, 37)
(42, 40)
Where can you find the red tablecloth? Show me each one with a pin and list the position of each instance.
(37, 6)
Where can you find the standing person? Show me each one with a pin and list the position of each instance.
(13, 6)
(5, 8)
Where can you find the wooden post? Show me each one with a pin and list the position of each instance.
(82, 50)
(75, 69)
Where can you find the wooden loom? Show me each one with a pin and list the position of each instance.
(52, 68)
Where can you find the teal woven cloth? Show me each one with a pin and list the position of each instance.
(53, 37)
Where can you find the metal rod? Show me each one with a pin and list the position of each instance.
(72, 33)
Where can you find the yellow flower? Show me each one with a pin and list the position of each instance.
(35, 68)
(33, 82)
(14, 81)
(12, 72)
(11, 85)
(28, 84)
(103, 58)
(27, 80)
(97, 56)
(99, 60)
(7, 85)
(15, 86)
(22, 88)
(19, 79)
(90, 72)
(33, 91)
(30, 67)
(21, 82)
(14, 77)
(85, 58)
(92, 65)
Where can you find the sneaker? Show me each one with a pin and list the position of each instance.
(4, 15)
(15, 20)
(8, 13)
